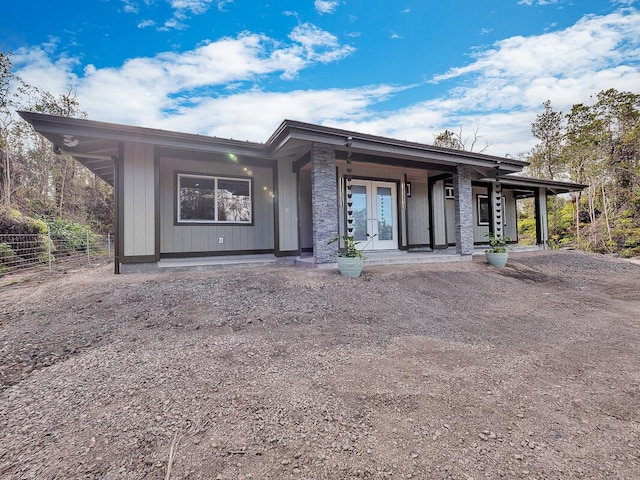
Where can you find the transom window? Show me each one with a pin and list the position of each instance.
(209, 199)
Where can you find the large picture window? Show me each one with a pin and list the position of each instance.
(483, 209)
(209, 199)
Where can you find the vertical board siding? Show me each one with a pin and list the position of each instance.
(480, 232)
(139, 200)
(204, 238)
(306, 214)
(418, 213)
(287, 207)
(450, 206)
(439, 221)
(510, 215)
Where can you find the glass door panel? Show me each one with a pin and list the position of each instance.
(360, 215)
(385, 213)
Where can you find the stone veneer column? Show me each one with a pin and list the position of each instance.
(324, 202)
(464, 210)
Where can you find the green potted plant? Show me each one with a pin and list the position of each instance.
(350, 259)
(497, 254)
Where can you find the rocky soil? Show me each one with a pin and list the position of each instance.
(441, 371)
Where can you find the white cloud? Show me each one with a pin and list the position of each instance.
(146, 23)
(149, 90)
(221, 4)
(196, 7)
(216, 89)
(317, 45)
(130, 7)
(528, 3)
(326, 6)
(531, 66)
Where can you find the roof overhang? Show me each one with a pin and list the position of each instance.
(553, 186)
(294, 139)
(96, 144)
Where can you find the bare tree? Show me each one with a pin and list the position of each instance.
(458, 141)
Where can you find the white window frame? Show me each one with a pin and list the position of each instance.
(478, 209)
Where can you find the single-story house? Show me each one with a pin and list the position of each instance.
(185, 195)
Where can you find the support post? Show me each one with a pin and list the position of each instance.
(542, 222)
(324, 202)
(464, 210)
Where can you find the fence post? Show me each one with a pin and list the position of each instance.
(49, 246)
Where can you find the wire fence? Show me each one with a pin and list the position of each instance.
(27, 255)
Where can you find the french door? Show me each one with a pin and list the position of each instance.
(375, 213)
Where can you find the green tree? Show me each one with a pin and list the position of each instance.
(546, 159)
(33, 179)
(598, 145)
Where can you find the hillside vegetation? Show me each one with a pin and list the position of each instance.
(598, 145)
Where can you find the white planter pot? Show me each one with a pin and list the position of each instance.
(497, 259)
(350, 267)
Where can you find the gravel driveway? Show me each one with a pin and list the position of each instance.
(436, 371)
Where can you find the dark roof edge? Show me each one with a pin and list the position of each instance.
(337, 132)
(42, 119)
(529, 181)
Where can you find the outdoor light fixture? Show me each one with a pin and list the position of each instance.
(70, 141)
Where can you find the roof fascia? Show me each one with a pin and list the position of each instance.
(124, 133)
(562, 187)
(366, 143)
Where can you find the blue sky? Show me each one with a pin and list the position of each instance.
(407, 69)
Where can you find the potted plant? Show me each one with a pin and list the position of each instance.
(497, 255)
(350, 259)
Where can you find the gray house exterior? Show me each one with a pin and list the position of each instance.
(182, 195)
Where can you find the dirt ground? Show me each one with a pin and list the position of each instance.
(437, 371)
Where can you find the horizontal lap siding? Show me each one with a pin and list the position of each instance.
(204, 238)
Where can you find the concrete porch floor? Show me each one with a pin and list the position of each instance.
(385, 257)
(422, 255)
